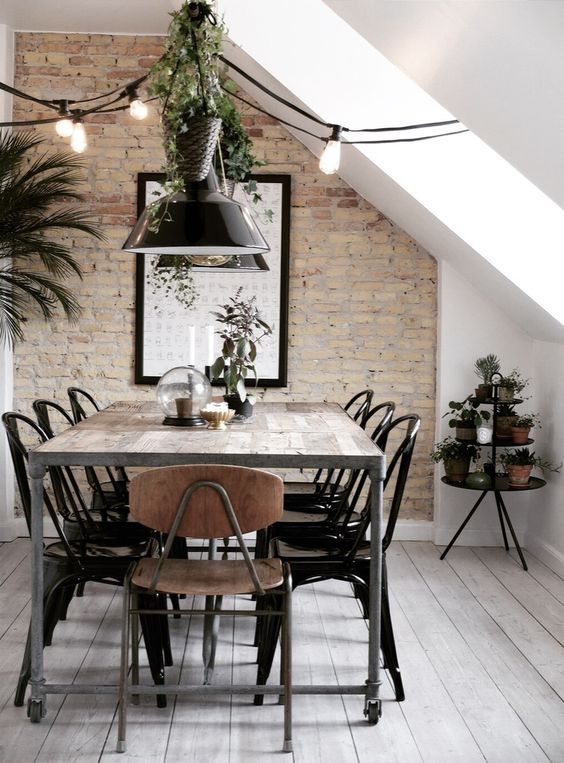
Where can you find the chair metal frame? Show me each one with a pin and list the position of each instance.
(348, 559)
(271, 602)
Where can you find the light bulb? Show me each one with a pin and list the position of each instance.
(138, 109)
(331, 157)
(78, 138)
(64, 128)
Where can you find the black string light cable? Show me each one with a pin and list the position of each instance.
(69, 120)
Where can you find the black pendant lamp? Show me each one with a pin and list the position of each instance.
(203, 224)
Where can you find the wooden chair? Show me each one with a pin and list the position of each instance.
(343, 558)
(207, 502)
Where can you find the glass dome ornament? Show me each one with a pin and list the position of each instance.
(181, 393)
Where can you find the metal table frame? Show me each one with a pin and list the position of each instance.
(280, 436)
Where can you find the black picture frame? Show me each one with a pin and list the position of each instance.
(148, 368)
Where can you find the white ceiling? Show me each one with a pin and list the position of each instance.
(497, 66)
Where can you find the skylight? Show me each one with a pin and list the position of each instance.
(459, 179)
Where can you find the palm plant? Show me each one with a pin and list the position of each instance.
(33, 194)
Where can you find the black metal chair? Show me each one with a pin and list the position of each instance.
(115, 489)
(339, 517)
(344, 558)
(325, 490)
(109, 515)
(71, 562)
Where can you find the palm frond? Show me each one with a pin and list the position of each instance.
(35, 193)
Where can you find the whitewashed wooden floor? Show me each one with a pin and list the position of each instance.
(480, 643)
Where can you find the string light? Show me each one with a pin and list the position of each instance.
(64, 128)
(69, 121)
(78, 142)
(331, 157)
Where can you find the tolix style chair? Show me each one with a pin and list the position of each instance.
(207, 502)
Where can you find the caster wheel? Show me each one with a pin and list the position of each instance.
(373, 711)
(35, 711)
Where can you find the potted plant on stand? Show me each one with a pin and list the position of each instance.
(519, 463)
(504, 421)
(484, 368)
(465, 418)
(242, 331)
(511, 386)
(456, 457)
(521, 427)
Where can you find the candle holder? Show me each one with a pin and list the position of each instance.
(181, 393)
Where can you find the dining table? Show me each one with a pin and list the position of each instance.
(279, 436)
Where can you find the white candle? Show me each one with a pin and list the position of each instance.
(191, 345)
(209, 330)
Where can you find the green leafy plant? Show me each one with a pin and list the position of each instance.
(485, 367)
(514, 381)
(450, 449)
(35, 191)
(528, 421)
(242, 331)
(525, 457)
(185, 78)
(171, 276)
(466, 413)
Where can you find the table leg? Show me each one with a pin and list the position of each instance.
(463, 525)
(37, 703)
(373, 703)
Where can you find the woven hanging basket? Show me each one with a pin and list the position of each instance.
(195, 147)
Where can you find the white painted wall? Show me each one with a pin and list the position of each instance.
(7, 523)
(471, 326)
(545, 533)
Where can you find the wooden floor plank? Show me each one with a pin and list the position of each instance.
(476, 642)
(484, 611)
(491, 721)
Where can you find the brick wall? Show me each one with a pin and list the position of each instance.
(362, 292)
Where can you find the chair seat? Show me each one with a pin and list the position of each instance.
(208, 577)
(297, 552)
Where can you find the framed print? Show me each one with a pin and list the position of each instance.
(164, 327)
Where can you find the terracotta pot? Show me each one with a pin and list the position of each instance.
(457, 469)
(504, 426)
(520, 435)
(518, 474)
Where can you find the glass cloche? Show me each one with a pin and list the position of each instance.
(181, 393)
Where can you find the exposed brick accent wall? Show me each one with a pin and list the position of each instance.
(362, 292)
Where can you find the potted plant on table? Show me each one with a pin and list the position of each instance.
(519, 463)
(242, 331)
(485, 368)
(456, 457)
(466, 417)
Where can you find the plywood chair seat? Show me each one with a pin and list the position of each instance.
(208, 577)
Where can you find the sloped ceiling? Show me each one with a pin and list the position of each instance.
(498, 67)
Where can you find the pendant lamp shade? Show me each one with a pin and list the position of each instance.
(201, 221)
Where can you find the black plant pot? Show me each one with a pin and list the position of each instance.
(241, 408)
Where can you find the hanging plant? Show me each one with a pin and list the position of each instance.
(171, 276)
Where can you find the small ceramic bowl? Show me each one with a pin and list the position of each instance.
(217, 419)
